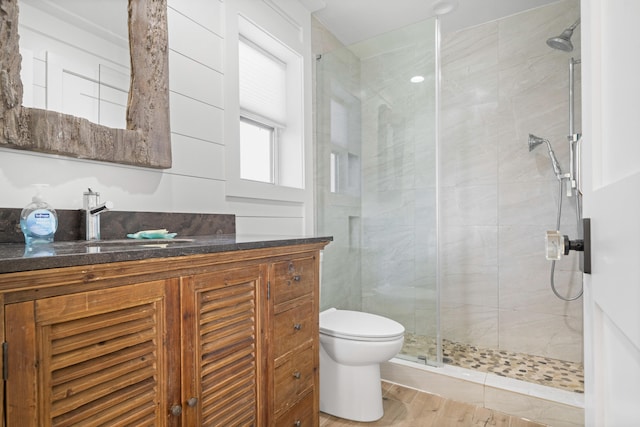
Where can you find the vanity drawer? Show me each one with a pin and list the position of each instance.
(293, 328)
(294, 377)
(292, 279)
(300, 415)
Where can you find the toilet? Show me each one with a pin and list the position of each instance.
(352, 346)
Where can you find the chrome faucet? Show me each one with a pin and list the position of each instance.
(93, 208)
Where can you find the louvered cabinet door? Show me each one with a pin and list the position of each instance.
(221, 343)
(92, 358)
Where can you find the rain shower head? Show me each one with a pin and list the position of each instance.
(534, 141)
(563, 41)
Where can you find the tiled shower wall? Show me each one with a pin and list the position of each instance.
(500, 82)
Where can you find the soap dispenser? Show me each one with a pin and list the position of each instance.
(38, 219)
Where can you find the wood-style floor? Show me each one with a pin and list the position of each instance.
(405, 407)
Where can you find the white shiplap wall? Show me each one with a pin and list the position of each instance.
(197, 180)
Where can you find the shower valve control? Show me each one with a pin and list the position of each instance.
(558, 245)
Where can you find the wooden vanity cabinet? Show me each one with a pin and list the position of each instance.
(227, 339)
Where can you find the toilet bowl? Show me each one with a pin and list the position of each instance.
(352, 346)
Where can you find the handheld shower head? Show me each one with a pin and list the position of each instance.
(534, 141)
(563, 41)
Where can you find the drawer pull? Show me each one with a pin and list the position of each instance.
(297, 423)
(296, 375)
(297, 326)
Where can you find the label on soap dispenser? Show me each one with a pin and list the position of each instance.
(42, 222)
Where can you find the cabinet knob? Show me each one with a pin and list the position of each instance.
(296, 278)
(296, 375)
(176, 410)
(192, 402)
(297, 326)
(297, 423)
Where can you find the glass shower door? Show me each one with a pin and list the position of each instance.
(376, 181)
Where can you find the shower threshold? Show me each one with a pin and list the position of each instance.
(545, 371)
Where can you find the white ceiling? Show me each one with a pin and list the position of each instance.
(352, 21)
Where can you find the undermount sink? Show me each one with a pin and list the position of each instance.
(136, 242)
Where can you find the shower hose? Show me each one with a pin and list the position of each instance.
(553, 263)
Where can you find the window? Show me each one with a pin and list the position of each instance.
(344, 162)
(333, 172)
(263, 110)
(267, 110)
(256, 151)
(270, 115)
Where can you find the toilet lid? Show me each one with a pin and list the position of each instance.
(359, 326)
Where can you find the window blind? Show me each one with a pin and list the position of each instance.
(262, 83)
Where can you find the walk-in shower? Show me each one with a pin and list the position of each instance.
(443, 234)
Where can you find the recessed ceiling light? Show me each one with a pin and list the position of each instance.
(442, 7)
(417, 79)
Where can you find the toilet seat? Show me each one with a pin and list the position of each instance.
(359, 326)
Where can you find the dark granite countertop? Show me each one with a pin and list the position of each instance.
(15, 257)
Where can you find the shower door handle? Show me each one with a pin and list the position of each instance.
(585, 260)
(578, 168)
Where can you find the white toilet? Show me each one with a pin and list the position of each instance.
(352, 345)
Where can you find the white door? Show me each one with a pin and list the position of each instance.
(611, 161)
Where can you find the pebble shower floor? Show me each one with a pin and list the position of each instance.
(535, 369)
